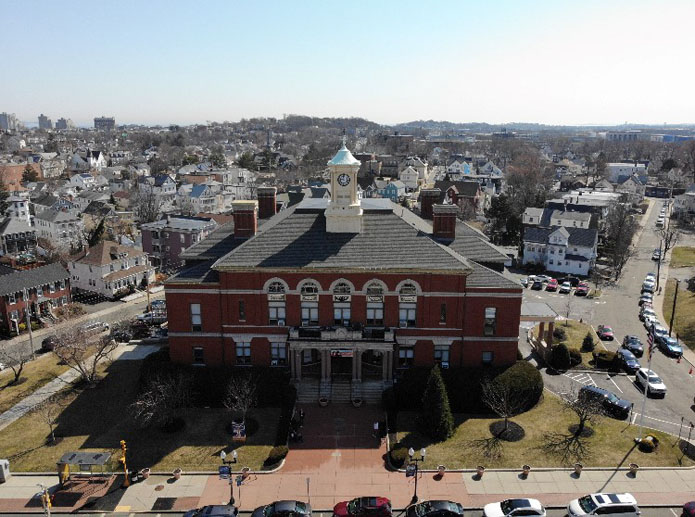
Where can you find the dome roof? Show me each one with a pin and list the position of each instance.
(344, 157)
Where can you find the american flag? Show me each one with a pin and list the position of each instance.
(650, 340)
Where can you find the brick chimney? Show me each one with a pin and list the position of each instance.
(245, 218)
(428, 197)
(267, 199)
(444, 221)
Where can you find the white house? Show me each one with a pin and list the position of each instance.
(570, 219)
(83, 181)
(532, 216)
(18, 208)
(458, 166)
(60, 228)
(621, 169)
(634, 188)
(198, 198)
(110, 269)
(161, 185)
(409, 176)
(561, 249)
(419, 165)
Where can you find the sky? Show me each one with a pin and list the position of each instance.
(170, 61)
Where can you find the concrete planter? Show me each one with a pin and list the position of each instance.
(145, 473)
(480, 470)
(441, 469)
(356, 402)
(578, 469)
(633, 469)
(323, 401)
(525, 470)
(177, 473)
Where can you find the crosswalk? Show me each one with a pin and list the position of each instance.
(581, 377)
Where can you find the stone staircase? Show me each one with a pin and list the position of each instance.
(371, 391)
(341, 391)
(307, 391)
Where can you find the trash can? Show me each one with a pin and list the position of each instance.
(4, 470)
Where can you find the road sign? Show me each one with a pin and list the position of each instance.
(239, 480)
(410, 470)
(224, 471)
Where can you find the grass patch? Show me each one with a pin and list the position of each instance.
(684, 322)
(683, 256)
(36, 373)
(575, 331)
(97, 419)
(611, 445)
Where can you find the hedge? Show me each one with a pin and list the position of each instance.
(398, 456)
(575, 357)
(523, 377)
(560, 357)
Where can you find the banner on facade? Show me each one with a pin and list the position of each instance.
(407, 298)
(313, 297)
(278, 297)
(341, 352)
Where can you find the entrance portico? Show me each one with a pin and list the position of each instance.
(344, 360)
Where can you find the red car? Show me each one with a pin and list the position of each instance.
(582, 289)
(689, 509)
(605, 333)
(552, 285)
(363, 507)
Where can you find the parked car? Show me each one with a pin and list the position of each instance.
(363, 507)
(49, 343)
(434, 509)
(659, 331)
(537, 285)
(94, 327)
(524, 282)
(649, 320)
(565, 287)
(610, 402)
(619, 505)
(573, 280)
(670, 346)
(2, 366)
(514, 507)
(648, 286)
(689, 509)
(158, 305)
(582, 289)
(651, 276)
(645, 299)
(645, 311)
(217, 510)
(656, 254)
(544, 278)
(650, 381)
(634, 345)
(605, 333)
(627, 360)
(121, 335)
(551, 285)
(283, 509)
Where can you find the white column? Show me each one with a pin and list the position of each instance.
(293, 364)
(298, 369)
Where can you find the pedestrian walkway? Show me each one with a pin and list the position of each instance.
(124, 352)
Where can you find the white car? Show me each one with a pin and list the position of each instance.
(618, 505)
(650, 381)
(650, 276)
(514, 507)
(648, 286)
(649, 320)
(565, 287)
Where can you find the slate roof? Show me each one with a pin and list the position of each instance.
(298, 239)
(577, 236)
(571, 215)
(464, 188)
(180, 222)
(56, 216)
(482, 277)
(216, 245)
(13, 225)
(199, 273)
(28, 278)
(474, 245)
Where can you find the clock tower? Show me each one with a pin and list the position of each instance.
(344, 213)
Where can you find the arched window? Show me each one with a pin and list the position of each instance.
(407, 308)
(310, 303)
(276, 303)
(375, 304)
(276, 287)
(341, 304)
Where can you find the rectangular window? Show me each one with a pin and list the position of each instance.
(276, 313)
(278, 354)
(490, 321)
(196, 318)
(375, 313)
(198, 355)
(442, 313)
(341, 314)
(406, 357)
(242, 311)
(488, 357)
(243, 353)
(11, 298)
(310, 314)
(182, 238)
(441, 355)
(407, 314)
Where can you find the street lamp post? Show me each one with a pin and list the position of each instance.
(673, 310)
(658, 267)
(225, 461)
(416, 461)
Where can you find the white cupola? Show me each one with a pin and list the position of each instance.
(344, 213)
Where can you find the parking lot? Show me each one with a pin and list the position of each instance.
(618, 308)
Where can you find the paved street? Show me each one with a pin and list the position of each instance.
(618, 308)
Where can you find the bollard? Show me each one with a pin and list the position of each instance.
(525, 469)
(578, 469)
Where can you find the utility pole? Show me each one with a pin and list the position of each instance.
(673, 310)
(25, 293)
(658, 266)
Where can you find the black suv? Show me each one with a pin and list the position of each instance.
(610, 402)
(634, 345)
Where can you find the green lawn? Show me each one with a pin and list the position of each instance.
(611, 445)
(575, 332)
(683, 256)
(684, 322)
(36, 373)
(97, 419)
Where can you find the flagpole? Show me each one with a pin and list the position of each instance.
(650, 340)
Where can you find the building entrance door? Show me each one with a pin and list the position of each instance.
(341, 362)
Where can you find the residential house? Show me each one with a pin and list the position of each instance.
(460, 192)
(410, 177)
(197, 198)
(635, 189)
(684, 205)
(393, 190)
(458, 165)
(166, 239)
(17, 237)
(110, 269)
(36, 291)
(532, 216)
(84, 198)
(18, 208)
(566, 250)
(569, 219)
(621, 170)
(59, 227)
(419, 165)
(82, 181)
(162, 185)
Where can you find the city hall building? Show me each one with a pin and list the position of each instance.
(343, 291)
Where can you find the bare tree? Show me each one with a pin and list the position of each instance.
(82, 352)
(147, 205)
(240, 395)
(15, 360)
(568, 309)
(574, 446)
(670, 237)
(160, 402)
(504, 400)
(620, 230)
(49, 410)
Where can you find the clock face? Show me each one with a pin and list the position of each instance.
(344, 180)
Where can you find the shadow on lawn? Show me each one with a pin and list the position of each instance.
(102, 414)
